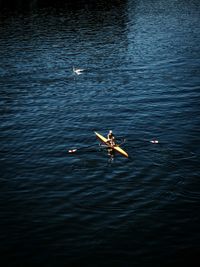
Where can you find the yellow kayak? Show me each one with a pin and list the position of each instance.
(115, 147)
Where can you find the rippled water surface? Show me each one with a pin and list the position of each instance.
(141, 62)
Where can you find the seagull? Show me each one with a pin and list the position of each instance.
(78, 71)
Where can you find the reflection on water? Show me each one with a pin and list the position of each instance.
(141, 79)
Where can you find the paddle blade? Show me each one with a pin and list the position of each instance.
(72, 150)
(154, 141)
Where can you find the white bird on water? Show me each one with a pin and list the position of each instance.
(78, 71)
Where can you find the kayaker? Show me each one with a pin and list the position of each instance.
(111, 138)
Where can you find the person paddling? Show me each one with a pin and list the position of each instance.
(111, 138)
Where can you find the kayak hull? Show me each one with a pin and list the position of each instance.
(116, 147)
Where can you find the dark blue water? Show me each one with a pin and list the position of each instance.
(141, 79)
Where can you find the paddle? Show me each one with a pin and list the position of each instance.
(138, 143)
(77, 149)
(74, 150)
(154, 141)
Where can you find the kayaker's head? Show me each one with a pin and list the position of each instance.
(110, 132)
